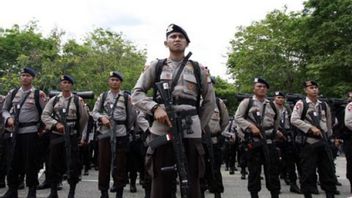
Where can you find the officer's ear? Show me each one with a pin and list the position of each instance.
(165, 43)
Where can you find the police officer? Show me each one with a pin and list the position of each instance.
(347, 143)
(68, 105)
(258, 117)
(186, 91)
(313, 118)
(290, 158)
(2, 147)
(216, 125)
(21, 112)
(113, 111)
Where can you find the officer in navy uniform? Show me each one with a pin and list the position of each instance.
(23, 158)
(185, 96)
(316, 153)
(76, 118)
(247, 118)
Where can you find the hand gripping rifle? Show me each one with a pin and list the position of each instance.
(177, 135)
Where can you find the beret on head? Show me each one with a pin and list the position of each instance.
(29, 71)
(175, 28)
(116, 74)
(279, 93)
(67, 77)
(262, 81)
(310, 83)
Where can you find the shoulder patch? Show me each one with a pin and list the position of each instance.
(299, 105)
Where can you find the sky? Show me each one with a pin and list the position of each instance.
(210, 24)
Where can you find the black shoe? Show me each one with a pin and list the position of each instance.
(315, 191)
(119, 192)
(104, 194)
(59, 186)
(113, 188)
(254, 195)
(274, 194)
(232, 172)
(217, 195)
(338, 183)
(330, 195)
(295, 189)
(287, 181)
(32, 192)
(337, 192)
(21, 185)
(133, 188)
(307, 195)
(11, 193)
(43, 185)
(53, 191)
(51, 195)
(243, 176)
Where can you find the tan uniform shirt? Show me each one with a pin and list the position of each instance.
(305, 125)
(218, 121)
(348, 116)
(28, 113)
(62, 102)
(186, 87)
(269, 123)
(119, 114)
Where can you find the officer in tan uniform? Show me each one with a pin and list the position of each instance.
(313, 118)
(114, 113)
(186, 103)
(26, 104)
(259, 119)
(72, 107)
(2, 147)
(216, 125)
(347, 143)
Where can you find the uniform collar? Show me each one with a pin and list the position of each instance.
(265, 99)
(310, 101)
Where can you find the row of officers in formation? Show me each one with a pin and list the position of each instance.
(179, 132)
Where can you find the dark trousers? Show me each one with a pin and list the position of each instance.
(164, 182)
(120, 172)
(58, 160)
(289, 160)
(24, 160)
(347, 148)
(136, 155)
(317, 156)
(256, 159)
(4, 150)
(214, 181)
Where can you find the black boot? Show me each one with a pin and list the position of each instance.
(104, 194)
(274, 194)
(133, 187)
(330, 195)
(119, 192)
(294, 188)
(217, 195)
(146, 193)
(243, 173)
(307, 195)
(113, 188)
(254, 195)
(32, 192)
(11, 193)
(71, 193)
(53, 191)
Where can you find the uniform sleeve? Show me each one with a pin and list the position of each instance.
(98, 108)
(131, 113)
(240, 115)
(7, 106)
(139, 94)
(225, 118)
(142, 122)
(209, 101)
(296, 118)
(46, 115)
(348, 116)
(329, 120)
(42, 99)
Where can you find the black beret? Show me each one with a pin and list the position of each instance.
(29, 71)
(175, 28)
(310, 83)
(262, 81)
(116, 74)
(67, 77)
(279, 93)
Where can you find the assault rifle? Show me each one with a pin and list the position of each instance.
(177, 135)
(82, 94)
(67, 140)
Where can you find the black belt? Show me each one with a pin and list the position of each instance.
(185, 113)
(27, 124)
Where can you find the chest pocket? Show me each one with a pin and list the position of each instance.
(72, 112)
(269, 117)
(189, 84)
(29, 104)
(166, 74)
(120, 110)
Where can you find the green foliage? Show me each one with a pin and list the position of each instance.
(226, 91)
(89, 63)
